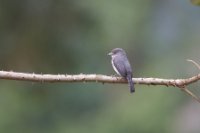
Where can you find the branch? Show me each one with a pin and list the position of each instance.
(180, 83)
(9, 75)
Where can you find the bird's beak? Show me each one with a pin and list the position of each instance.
(110, 53)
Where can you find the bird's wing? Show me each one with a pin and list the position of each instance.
(119, 66)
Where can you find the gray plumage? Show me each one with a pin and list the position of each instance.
(122, 66)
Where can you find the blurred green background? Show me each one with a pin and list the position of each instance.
(74, 36)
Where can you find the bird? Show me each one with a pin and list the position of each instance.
(121, 65)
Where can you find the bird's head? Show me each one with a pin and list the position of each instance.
(116, 51)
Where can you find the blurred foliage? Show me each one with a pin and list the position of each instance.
(195, 2)
(74, 36)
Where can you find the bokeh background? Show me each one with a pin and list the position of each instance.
(74, 36)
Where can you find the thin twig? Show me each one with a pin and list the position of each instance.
(186, 90)
(196, 64)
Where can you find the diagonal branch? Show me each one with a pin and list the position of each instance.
(186, 90)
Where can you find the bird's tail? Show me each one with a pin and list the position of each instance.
(131, 85)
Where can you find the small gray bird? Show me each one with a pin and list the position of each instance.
(121, 65)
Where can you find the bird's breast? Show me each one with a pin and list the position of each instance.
(113, 65)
